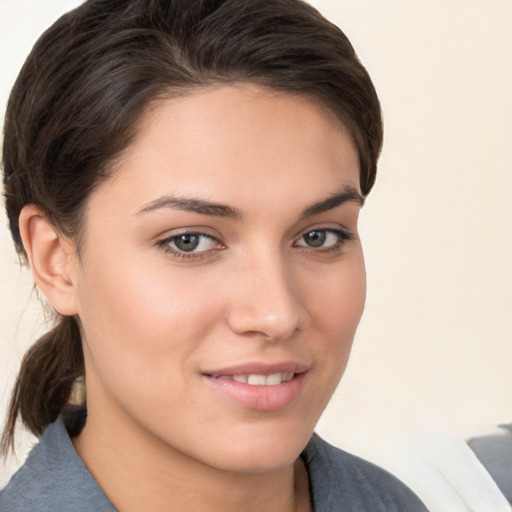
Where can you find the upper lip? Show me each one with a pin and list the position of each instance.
(257, 368)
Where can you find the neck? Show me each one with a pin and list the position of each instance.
(137, 472)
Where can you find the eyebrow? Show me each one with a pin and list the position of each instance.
(347, 193)
(192, 204)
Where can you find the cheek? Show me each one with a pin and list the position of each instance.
(337, 299)
(336, 307)
(139, 320)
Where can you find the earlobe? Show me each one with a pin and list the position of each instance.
(52, 259)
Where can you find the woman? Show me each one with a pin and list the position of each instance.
(185, 178)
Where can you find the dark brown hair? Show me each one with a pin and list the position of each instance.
(89, 78)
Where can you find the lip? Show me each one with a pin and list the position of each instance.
(258, 369)
(259, 397)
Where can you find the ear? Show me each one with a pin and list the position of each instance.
(52, 259)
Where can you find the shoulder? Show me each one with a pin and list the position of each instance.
(53, 479)
(340, 480)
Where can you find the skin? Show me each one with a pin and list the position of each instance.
(158, 436)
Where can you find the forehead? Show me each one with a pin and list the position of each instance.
(236, 144)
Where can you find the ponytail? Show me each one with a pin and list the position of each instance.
(45, 381)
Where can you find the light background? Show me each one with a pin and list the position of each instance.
(432, 363)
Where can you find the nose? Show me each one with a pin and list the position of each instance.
(266, 302)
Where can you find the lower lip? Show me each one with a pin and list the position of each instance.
(259, 398)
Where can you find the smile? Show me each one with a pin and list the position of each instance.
(259, 387)
(273, 379)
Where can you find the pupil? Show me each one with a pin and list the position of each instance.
(315, 238)
(187, 242)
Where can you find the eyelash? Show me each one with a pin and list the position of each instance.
(342, 235)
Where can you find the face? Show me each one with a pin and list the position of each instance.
(222, 278)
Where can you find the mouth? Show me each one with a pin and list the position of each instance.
(259, 387)
(255, 379)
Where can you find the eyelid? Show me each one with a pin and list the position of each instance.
(188, 230)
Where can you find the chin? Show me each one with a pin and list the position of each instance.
(262, 449)
(253, 461)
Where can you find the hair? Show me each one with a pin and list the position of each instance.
(76, 102)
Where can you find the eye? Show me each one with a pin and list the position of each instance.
(189, 243)
(323, 239)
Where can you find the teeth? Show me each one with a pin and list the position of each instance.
(274, 379)
(264, 380)
(256, 380)
(288, 376)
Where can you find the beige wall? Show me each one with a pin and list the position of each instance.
(433, 356)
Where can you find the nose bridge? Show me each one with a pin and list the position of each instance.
(267, 302)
